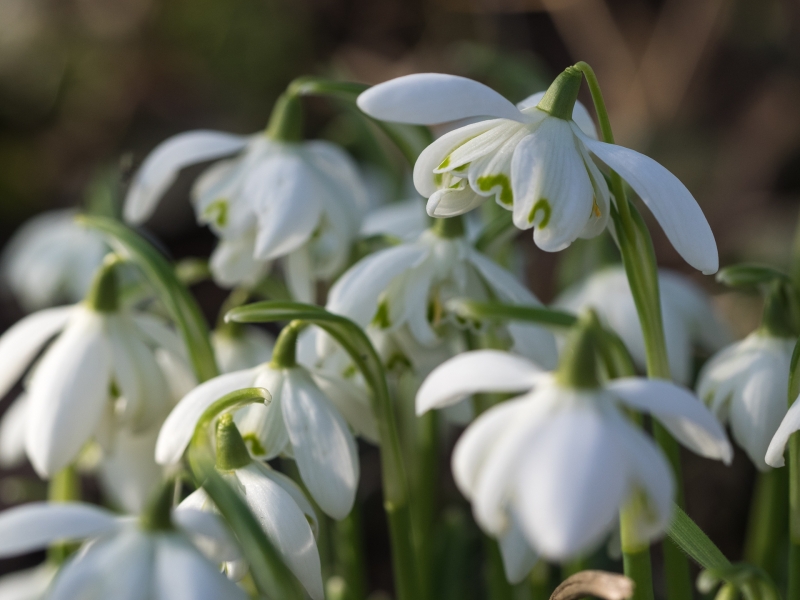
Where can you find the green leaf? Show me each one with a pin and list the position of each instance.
(173, 294)
(749, 275)
(694, 542)
(496, 231)
(497, 311)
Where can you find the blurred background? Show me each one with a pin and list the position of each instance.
(710, 89)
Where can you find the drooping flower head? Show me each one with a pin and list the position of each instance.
(536, 159)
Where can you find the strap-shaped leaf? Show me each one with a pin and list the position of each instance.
(497, 311)
(173, 294)
(749, 275)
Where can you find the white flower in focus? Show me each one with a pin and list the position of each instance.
(553, 467)
(241, 347)
(122, 559)
(535, 163)
(402, 291)
(30, 584)
(298, 201)
(51, 260)
(689, 319)
(746, 385)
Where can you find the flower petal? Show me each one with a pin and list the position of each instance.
(790, 424)
(680, 411)
(323, 446)
(233, 262)
(178, 428)
(30, 584)
(262, 426)
(36, 525)
(351, 400)
(475, 372)
(430, 98)
(286, 526)
(20, 344)
(580, 115)
(671, 203)
(299, 275)
(291, 488)
(12, 432)
(208, 531)
(518, 556)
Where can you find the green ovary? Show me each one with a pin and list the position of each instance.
(255, 446)
(217, 212)
(543, 205)
(488, 182)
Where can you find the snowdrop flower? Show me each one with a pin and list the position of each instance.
(238, 347)
(402, 291)
(300, 422)
(789, 425)
(51, 259)
(278, 504)
(30, 584)
(301, 201)
(547, 472)
(404, 220)
(536, 159)
(746, 385)
(100, 345)
(123, 557)
(689, 319)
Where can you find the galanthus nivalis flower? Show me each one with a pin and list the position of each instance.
(689, 319)
(402, 291)
(554, 466)
(277, 503)
(535, 159)
(746, 385)
(241, 347)
(122, 558)
(404, 220)
(51, 259)
(298, 201)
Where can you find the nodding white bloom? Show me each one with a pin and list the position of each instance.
(300, 422)
(536, 159)
(746, 385)
(121, 557)
(402, 291)
(277, 503)
(241, 347)
(30, 584)
(298, 201)
(789, 425)
(51, 259)
(547, 472)
(69, 391)
(689, 319)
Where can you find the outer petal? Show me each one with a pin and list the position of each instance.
(207, 530)
(232, 262)
(475, 372)
(286, 526)
(67, 394)
(790, 424)
(323, 446)
(30, 584)
(12, 432)
(518, 556)
(291, 488)
(299, 275)
(20, 344)
(262, 425)
(162, 165)
(405, 220)
(128, 474)
(352, 401)
(430, 98)
(580, 115)
(36, 525)
(679, 410)
(177, 431)
(667, 198)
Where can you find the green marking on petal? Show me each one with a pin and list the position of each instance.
(462, 168)
(255, 446)
(487, 182)
(381, 318)
(444, 163)
(217, 212)
(349, 372)
(544, 205)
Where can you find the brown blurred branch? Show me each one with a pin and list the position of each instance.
(610, 586)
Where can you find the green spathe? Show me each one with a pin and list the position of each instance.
(157, 514)
(103, 294)
(578, 366)
(559, 100)
(284, 355)
(449, 228)
(231, 450)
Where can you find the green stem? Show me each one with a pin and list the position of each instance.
(350, 555)
(497, 585)
(539, 581)
(638, 257)
(794, 517)
(425, 483)
(767, 523)
(284, 354)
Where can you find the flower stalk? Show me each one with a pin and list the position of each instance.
(793, 467)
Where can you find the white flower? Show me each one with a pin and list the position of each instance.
(301, 422)
(241, 347)
(404, 220)
(51, 259)
(68, 394)
(789, 425)
(533, 163)
(122, 560)
(127, 472)
(403, 291)
(559, 462)
(300, 201)
(746, 384)
(30, 584)
(689, 318)
(283, 512)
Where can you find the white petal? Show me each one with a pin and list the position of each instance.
(286, 526)
(178, 429)
(128, 474)
(12, 432)
(671, 203)
(790, 424)
(208, 531)
(352, 400)
(243, 349)
(291, 488)
(299, 276)
(518, 556)
(580, 115)
(475, 372)
(451, 202)
(30, 584)
(262, 426)
(36, 525)
(680, 411)
(233, 262)
(20, 344)
(430, 98)
(162, 165)
(323, 446)
(68, 394)
(405, 220)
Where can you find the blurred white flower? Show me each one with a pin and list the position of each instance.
(689, 319)
(537, 164)
(299, 201)
(746, 385)
(30, 584)
(789, 425)
(122, 559)
(404, 220)
(51, 260)
(556, 464)
(241, 347)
